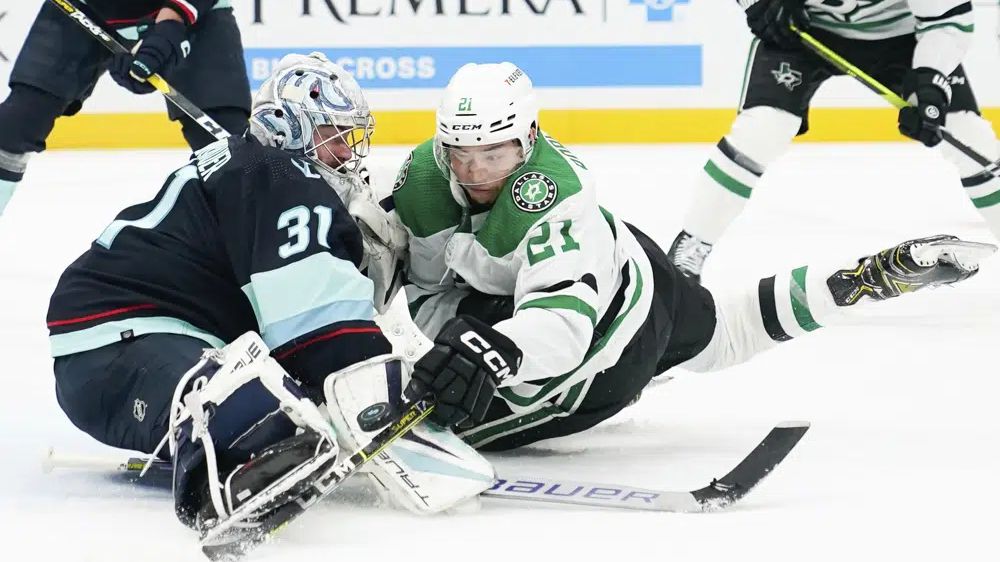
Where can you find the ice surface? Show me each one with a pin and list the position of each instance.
(898, 465)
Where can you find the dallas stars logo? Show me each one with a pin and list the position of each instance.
(787, 77)
(533, 192)
(401, 176)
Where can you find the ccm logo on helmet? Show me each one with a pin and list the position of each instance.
(491, 357)
(466, 127)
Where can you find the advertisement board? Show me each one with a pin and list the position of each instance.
(606, 70)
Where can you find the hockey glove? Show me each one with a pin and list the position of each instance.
(157, 53)
(462, 371)
(771, 21)
(929, 94)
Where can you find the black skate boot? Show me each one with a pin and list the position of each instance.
(688, 254)
(912, 265)
(260, 472)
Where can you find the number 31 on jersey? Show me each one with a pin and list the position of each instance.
(297, 223)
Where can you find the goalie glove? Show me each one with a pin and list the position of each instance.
(910, 266)
(385, 243)
(462, 371)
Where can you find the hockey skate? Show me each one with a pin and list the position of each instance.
(910, 266)
(277, 475)
(688, 254)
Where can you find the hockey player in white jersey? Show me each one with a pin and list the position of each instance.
(548, 313)
(914, 47)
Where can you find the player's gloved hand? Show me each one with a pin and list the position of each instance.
(462, 371)
(770, 20)
(929, 93)
(157, 53)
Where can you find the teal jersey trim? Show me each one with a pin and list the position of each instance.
(284, 331)
(111, 332)
(308, 294)
(6, 192)
(159, 212)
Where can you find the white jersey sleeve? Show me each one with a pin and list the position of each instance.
(567, 271)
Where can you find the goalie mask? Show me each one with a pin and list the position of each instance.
(486, 127)
(312, 107)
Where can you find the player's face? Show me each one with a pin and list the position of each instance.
(333, 144)
(482, 169)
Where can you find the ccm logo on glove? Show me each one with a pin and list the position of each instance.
(491, 357)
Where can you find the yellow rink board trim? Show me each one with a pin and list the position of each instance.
(575, 126)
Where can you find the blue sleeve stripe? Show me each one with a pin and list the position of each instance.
(298, 295)
(286, 330)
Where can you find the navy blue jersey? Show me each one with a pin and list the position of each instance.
(116, 12)
(245, 237)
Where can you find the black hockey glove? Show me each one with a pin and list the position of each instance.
(157, 53)
(929, 94)
(770, 20)
(462, 371)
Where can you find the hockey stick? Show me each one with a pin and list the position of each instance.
(842, 64)
(720, 493)
(157, 81)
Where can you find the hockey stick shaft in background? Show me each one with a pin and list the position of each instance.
(173, 96)
(888, 95)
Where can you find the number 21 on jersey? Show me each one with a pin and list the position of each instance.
(541, 248)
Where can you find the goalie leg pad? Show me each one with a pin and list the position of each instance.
(233, 404)
(427, 470)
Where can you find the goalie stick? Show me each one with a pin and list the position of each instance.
(719, 494)
(173, 96)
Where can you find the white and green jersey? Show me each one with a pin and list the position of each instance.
(943, 27)
(569, 265)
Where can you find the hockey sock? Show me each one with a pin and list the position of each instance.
(11, 171)
(759, 135)
(983, 190)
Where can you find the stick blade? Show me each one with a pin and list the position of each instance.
(753, 468)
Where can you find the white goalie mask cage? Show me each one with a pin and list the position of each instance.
(303, 93)
(485, 106)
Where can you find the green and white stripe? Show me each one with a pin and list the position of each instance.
(796, 313)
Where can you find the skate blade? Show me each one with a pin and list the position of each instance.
(963, 253)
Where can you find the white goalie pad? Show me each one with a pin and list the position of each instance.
(426, 471)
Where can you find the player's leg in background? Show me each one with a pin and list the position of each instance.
(214, 78)
(968, 126)
(777, 88)
(963, 121)
(55, 71)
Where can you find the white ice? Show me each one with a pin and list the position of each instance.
(899, 464)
